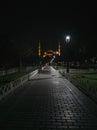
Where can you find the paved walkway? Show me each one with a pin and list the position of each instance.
(47, 102)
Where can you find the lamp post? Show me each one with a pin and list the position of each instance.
(67, 39)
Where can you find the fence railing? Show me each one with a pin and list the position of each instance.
(83, 85)
(5, 89)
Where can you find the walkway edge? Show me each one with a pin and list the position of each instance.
(87, 90)
(6, 89)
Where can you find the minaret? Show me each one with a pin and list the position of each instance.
(59, 49)
(39, 49)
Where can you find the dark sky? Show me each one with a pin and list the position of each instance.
(48, 21)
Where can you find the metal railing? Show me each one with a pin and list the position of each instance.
(83, 85)
(6, 89)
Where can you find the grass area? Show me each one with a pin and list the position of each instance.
(61, 67)
(11, 77)
(91, 79)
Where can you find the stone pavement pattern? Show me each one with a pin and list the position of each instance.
(47, 102)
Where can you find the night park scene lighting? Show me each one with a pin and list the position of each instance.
(48, 65)
(68, 38)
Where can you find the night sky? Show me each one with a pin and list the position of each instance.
(47, 21)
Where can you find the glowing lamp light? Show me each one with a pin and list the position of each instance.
(56, 52)
(54, 57)
(67, 39)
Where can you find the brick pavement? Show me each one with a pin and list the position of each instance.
(48, 102)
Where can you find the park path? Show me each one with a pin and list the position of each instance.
(47, 101)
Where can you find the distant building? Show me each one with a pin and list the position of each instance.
(49, 53)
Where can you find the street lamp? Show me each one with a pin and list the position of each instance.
(67, 39)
